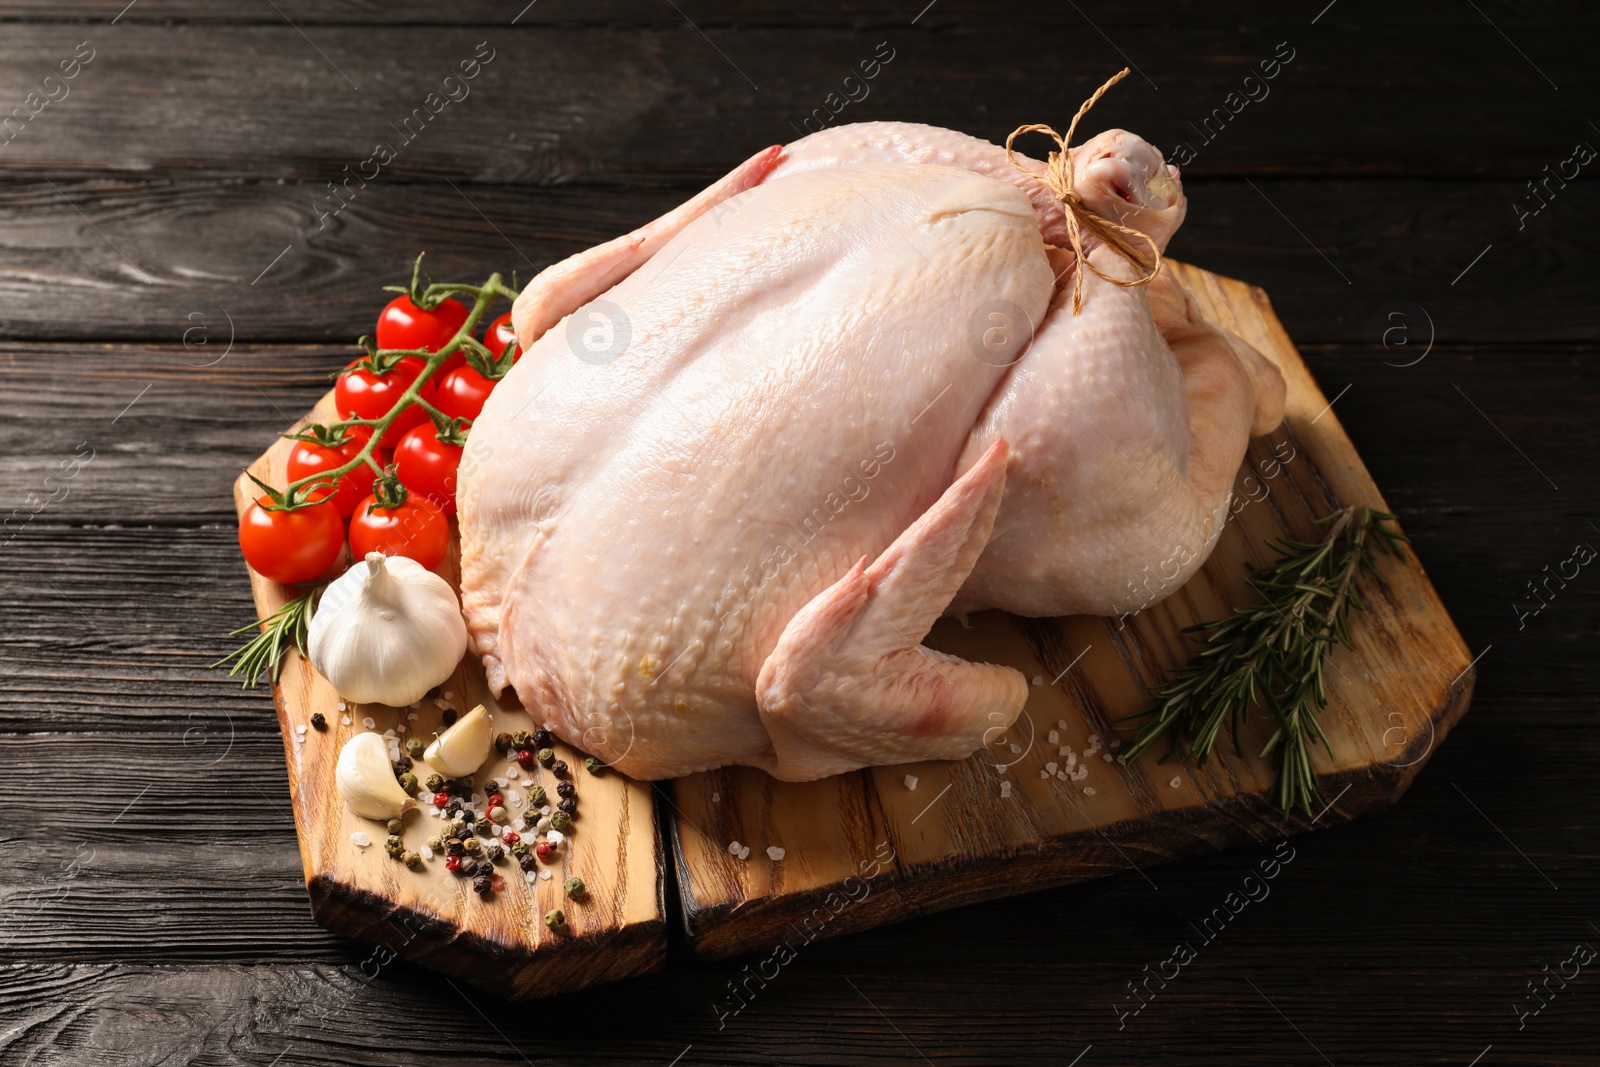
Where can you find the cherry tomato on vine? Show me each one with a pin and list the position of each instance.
(364, 394)
(499, 334)
(416, 528)
(290, 546)
(309, 458)
(402, 324)
(427, 465)
(462, 393)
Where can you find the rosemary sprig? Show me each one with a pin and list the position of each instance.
(1272, 654)
(263, 654)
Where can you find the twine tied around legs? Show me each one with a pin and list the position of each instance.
(1058, 177)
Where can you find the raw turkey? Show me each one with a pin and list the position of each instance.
(756, 448)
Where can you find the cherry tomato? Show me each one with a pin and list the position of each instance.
(462, 393)
(427, 466)
(417, 529)
(499, 334)
(402, 324)
(363, 394)
(290, 546)
(308, 458)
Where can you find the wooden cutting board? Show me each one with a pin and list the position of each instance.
(867, 848)
(872, 847)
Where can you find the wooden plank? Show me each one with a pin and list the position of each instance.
(616, 930)
(879, 845)
(248, 261)
(670, 102)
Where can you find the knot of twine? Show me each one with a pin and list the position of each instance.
(1058, 177)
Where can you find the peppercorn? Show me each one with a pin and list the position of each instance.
(449, 716)
(452, 864)
(559, 768)
(415, 747)
(402, 765)
(319, 721)
(412, 859)
(469, 866)
(464, 784)
(510, 837)
(395, 826)
(555, 920)
(536, 797)
(499, 814)
(435, 783)
(566, 788)
(408, 782)
(483, 827)
(574, 888)
(545, 851)
(561, 820)
(502, 741)
(526, 862)
(458, 828)
(394, 846)
(493, 800)
(522, 739)
(541, 738)
(525, 757)
(480, 885)
(519, 849)
(470, 845)
(592, 765)
(494, 853)
(441, 800)
(436, 843)
(546, 756)
(569, 806)
(455, 848)
(452, 808)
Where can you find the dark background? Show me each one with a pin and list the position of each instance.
(171, 301)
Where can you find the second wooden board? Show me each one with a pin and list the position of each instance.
(1047, 802)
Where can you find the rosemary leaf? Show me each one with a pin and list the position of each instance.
(263, 653)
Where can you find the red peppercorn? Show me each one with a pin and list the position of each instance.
(511, 837)
(441, 799)
(495, 801)
(525, 757)
(452, 863)
(545, 851)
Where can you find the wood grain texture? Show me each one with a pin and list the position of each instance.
(617, 930)
(872, 847)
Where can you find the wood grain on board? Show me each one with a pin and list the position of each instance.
(428, 914)
(873, 846)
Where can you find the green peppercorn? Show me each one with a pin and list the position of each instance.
(560, 820)
(499, 814)
(435, 783)
(483, 827)
(546, 756)
(412, 859)
(536, 797)
(394, 846)
(395, 826)
(575, 889)
(592, 765)
(470, 846)
(464, 784)
(521, 739)
(414, 747)
(555, 920)
(520, 849)
(408, 782)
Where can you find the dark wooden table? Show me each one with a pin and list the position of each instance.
(179, 281)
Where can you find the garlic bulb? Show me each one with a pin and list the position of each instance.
(366, 779)
(387, 632)
(463, 747)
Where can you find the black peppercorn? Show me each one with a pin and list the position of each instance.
(469, 866)
(502, 741)
(481, 885)
(449, 716)
(559, 768)
(402, 765)
(495, 853)
(464, 785)
(527, 861)
(569, 805)
(566, 789)
(319, 721)
(453, 847)
(541, 738)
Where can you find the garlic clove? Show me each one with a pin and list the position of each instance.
(366, 779)
(463, 747)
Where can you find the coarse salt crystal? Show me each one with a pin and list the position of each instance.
(1088, 790)
(774, 853)
(1116, 742)
(440, 702)
(360, 839)
(425, 852)
(545, 874)
(555, 837)
(531, 877)
(733, 848)
(447, 694)
(1064, 750)
(389, 733)
(1176, 782)
(716, 798)
(1016, 749)
(369, 722)
(1094, 739)
(1054, 737)
(1044, 774)
(1051, 766)
(744, 853)
(911, 781)
(411, 715)
(1061, 724)
(1081, 773)
(300, 729)
(345, 721)
(1106, 756)
(1005, 790)
(1038, 679)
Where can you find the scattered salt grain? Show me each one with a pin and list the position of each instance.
(1063, 776)
(1088, 790)
(1094, 739)
(1044, 774)
(425, 852)
(1081, 773)
(1038, 679)
(1016, 749)
(345, 720)
(1005, 790)
(1176, 782)
(545, 874)
(369, 722)
(733, 848)
(911, 782)
(1116, 742)
(440, 702)
(411, 715)
(716, 798)
(1061, 724)
(531, 877)
(1051, 767)
(1054, 737)
(774, 853)
(744, 852)
(1106, 756)
(447, 694)
(360, 839)
(389, 733)
(1064, 750)
(555, 837)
